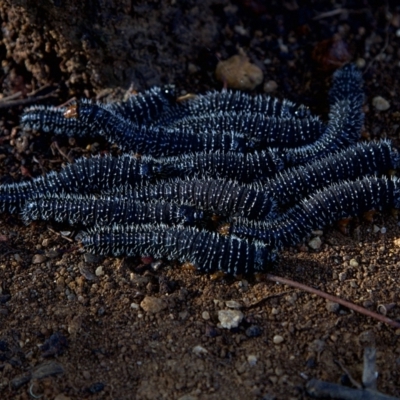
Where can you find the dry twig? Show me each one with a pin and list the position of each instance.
(334, 299)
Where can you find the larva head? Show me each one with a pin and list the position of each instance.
(264, 257)
(71, 111)
(169, 92)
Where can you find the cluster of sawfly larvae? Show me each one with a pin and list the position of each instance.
(222, 180)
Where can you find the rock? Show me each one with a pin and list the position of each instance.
(230, 318)
(342, 276)
(45, 242)
(99, 271)
(315, 243)
(353, 263)
(380, 103)
(38, 259)
(96, 387)
(92, 258)
(198, 350)
(233, 304)
(205, 315)
(153, 305)
(253, 331)
(238, 73)
(332, 307)
(135, 306)
(17, 258)
(86, 272)
(278, 339)
(270, 86)
(252, 360)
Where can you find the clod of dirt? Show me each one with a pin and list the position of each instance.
(237, 72)
(153, 305)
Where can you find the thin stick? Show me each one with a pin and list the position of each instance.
(29, 100)
(334, 299)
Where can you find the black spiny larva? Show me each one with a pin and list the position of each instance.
(207, 251)
(286, 157)
(89, 211)
(321, 209)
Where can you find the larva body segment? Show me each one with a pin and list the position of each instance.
(221, 197)
(141, 109)
(338, 201)
(267, 131)
(291, 185)
(207, 251)
(228, 101)
(90, 211)
(243, 168)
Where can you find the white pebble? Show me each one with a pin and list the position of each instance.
(199, 350)
(380, 103)
(230, 318)
(99, 271)
(252, 360)
(315, 243)
(353, 262)
(278, 339)
(135, 306)
(205, 315)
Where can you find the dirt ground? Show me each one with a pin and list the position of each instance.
(75, 326)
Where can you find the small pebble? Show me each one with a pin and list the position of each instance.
(380, 103)
(205, 315)
(38, 259)
(368, 303)
(96, 387)
(360, 62)
(211, 331)
(332, 307)
(342, 276)
(278, 339)
(353, 262)
(253, 331)
(252, 360)
(99, 271)
(153, 305)
(86, 272)
(17, 258)
(45, 242)
(135, 306)
(270, 86)
(315, 243)
(199, 350)
(92, 258)
(376, 229)
(230, 318)
(383, 230)
(233, 304)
